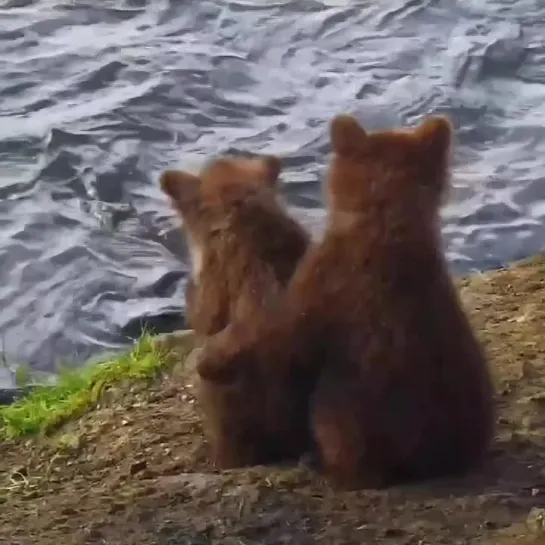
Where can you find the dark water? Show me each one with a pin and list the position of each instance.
(96, 98)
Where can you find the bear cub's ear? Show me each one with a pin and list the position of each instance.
(346, 133)
(180, 186)
(435, 133)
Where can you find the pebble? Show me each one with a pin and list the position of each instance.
(536, 520)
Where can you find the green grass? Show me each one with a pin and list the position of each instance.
(78, 390)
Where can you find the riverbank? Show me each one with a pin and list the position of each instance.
(44, 408)
(134, 469)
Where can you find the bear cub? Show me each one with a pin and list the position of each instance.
(243, 245)
(371, 357)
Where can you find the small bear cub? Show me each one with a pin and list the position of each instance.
(243, 244)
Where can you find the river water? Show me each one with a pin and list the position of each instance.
(96, 98)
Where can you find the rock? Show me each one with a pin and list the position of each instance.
(176, 340)
(536, 520)
(11, 395)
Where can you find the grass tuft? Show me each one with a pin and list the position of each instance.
(78, 390)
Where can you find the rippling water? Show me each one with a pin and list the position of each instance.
(96, 98)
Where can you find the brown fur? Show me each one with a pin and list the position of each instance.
(244, 246)
(372, 351)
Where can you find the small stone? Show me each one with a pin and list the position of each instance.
(136, 467)
(536, 520)
(527, 422)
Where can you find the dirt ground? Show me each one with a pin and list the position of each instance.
(135, 470)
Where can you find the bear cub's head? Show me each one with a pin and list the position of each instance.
(208, 201)
(227, 194)
(373, 171)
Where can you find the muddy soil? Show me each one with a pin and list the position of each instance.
(136, 470)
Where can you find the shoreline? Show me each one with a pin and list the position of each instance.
(9, 395)
(39, 408)
(133, 467)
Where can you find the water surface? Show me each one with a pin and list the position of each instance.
(96, 98)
